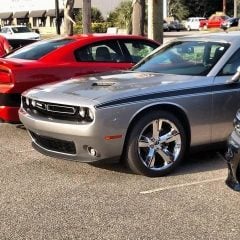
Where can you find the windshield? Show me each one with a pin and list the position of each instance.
(39, 49)
(20, 29)
(194, 58)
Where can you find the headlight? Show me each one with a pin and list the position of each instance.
(90, 114)
(86, 114)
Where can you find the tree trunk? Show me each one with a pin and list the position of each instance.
(68, 17)
(155, 20)
(86, 16)
(138, 16)
(235, 8)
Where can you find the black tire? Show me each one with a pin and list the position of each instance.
(142, 143)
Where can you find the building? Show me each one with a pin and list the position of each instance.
(41, 14)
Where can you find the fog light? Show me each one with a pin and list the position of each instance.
(92, 151)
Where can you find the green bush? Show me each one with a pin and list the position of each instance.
(100, 27)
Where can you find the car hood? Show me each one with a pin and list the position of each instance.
(100, 88)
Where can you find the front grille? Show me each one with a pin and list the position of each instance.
(54, 111)
(54, 144)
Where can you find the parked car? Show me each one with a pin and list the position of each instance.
(195, 23)
(215, 21)
(165, 26)
(230, 22)
(175, 26)
(233, 154)
(57, 59)
(181, 96)
(18, 32)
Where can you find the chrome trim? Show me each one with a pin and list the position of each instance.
(74, 110)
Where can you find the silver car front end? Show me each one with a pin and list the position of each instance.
(55, 133)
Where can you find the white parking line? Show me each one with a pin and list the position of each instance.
(23, 151)
(182, 185)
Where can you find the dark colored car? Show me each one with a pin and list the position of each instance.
(232, 155)
(231, 22)
(176, 26)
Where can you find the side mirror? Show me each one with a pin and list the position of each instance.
(236, 76)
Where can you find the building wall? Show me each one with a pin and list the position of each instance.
(31, 5)
(105, 6)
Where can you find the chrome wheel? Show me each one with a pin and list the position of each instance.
(156, 144)
(159, 144)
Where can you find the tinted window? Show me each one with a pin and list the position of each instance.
(184, 58)
(20, 29)
(108, 51)
(137, 49)
(39, 49)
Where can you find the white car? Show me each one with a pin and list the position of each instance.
(193, 23)
(18, 32)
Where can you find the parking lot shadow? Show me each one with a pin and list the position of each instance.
(194, 163)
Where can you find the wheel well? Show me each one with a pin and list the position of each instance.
(178, 112)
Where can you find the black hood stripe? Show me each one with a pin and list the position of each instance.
(173, 93)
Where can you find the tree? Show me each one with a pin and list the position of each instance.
(138, 16)
(96, 16)
(155, 20)
(235, 8)
(121, 16)
(86, 16)
(178, 9)
(68, 17)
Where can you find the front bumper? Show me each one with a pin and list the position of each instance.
(232, 157)
(70, 140)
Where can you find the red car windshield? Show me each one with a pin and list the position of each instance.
(39, 49)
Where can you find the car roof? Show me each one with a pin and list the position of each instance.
(196, 18)
(107, 36)
(233, 36)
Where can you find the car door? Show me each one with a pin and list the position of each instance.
(226, 99)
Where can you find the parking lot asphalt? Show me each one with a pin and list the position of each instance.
(48, 198)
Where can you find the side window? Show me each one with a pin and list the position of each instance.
(137, 49)
(231, 66)
(107, 51)
(4, 30)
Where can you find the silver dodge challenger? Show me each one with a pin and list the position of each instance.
(183, 95)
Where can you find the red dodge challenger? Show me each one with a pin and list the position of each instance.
(62, 58)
